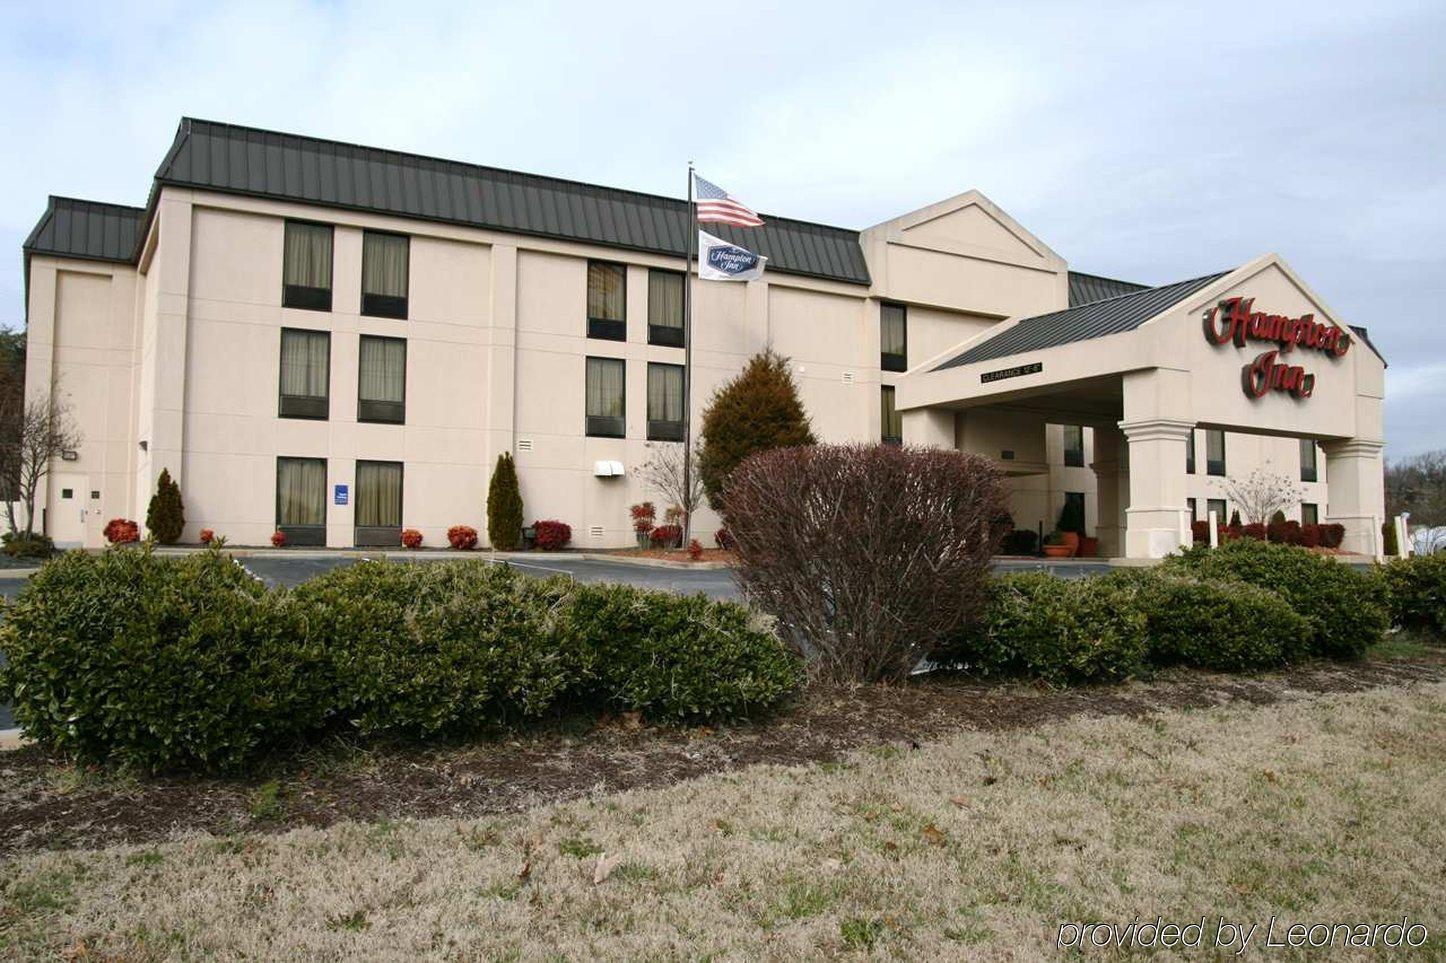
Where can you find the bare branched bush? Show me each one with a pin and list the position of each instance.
(663, 475)
(1262, 493)
(867, 555)
(35, 434)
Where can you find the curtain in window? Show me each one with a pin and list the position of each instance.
(892, 325)
(307, 261)
(604, 388)
(378, 494)
(1307, 460)
(1074, 445)
(665, 392)
(384, 265)
(665, 299)
(605, 291)
(304, 363)
(1215, 451)
(382, 369)
(301, 491)
(890, 419)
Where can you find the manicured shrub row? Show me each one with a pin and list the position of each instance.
(190, 663)
(1416, 592)
(1246, 605)
(1324, 535)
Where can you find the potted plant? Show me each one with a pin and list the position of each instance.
(1089, 546)
(1070, 526)
(1055, 545)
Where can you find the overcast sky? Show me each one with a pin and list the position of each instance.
(1144, 142)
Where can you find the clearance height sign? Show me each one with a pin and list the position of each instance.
(1234, 320)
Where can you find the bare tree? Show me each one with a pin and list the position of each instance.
(1418, 485)
(34, 434)
(663, 473)
(1262, 493)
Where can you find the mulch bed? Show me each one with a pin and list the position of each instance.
(45, 803)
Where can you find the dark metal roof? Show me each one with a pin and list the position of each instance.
(1124, 312)
(86, 229)
(259, 163)
(1085, 288)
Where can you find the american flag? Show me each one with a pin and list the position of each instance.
(716, 206)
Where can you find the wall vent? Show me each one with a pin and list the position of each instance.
(524, 444)
(848, 377)
(595, 531)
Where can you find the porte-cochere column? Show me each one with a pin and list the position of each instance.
(1356, 491)
(1154, 518)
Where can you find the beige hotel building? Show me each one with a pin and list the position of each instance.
(338, 341)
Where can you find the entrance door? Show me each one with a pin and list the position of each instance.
(69, 507)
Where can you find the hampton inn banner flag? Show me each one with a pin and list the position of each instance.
(720, 261)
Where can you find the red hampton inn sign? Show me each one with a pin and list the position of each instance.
(1232, 320)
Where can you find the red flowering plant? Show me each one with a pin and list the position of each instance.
(724, 539)
(550, 534)
(411, 538)
(667, 536)
(207, 536)
(278, 539)
(462, 537)
(122, 531)
(695, 549)
(644, 515)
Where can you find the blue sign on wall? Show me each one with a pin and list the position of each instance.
(341, 494)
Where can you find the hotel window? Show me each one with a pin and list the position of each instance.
(306, 266)
(1073, 446)
(1309, 513)
(891, 422)
(1217, 505)
(1308, 472)
(665, 308)
(1190, 452)
(893, 337)
(1194, 507)
(606, 387)
(1074, 508)
(301, 500)
(382, 380)
(378, 503)
(305, 374)
(607, 300)
(665, 402)
(1214, 451)
(385, 260)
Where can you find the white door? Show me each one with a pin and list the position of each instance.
(69, 502)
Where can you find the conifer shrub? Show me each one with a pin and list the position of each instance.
(756, 411)
(504, 506)
(166, 517)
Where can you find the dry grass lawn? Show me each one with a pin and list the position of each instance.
(1330, 808)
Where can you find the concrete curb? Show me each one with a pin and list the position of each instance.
(539, 559)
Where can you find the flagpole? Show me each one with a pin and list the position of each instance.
(688, 363)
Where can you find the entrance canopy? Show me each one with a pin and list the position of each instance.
(1250, 350)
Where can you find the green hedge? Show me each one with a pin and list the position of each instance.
(1416, 591)
(1345, 608)
(1213, 624)
(1061, 630)
(190, 663)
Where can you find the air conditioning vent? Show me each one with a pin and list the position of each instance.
(524, 444)
(848, 377)
(595, 531)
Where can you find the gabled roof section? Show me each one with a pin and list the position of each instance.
(1087, 288)
(91, 230)
(260, 163)
(1124, 312)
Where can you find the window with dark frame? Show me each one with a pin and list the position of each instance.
(1309, 471)
(1217, 505)
(1190, 452)
(606, 393)
(305, 382)
(1194, 507)
(1214, 451)
(301, 500)
(891, 421)
(893, 337)
(665, 308)
(1074, 446)
(382, 380)
(607, 301)
(306, 266)
(1075, 507)
(386, 265)
(665, 402)
(1309, 513)
(378, 501)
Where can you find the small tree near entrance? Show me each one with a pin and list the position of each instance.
(166, 516)
(504, 506)
(37, 432)
(1262, 493)
(756, 411)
